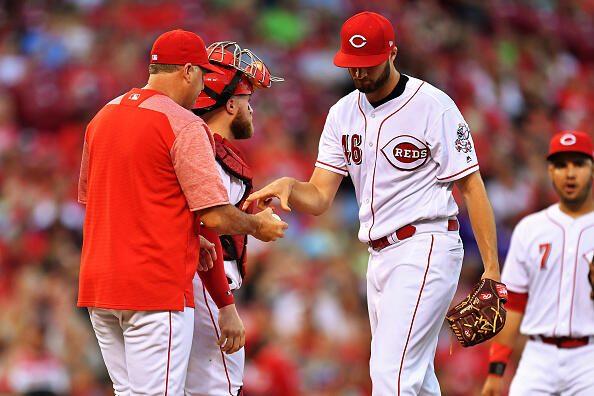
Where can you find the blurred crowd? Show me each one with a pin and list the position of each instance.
(518, 70)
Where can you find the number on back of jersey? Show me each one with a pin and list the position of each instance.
(351, 147)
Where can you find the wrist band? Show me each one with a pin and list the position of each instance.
(497, 368)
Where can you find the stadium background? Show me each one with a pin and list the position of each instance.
(519, 71)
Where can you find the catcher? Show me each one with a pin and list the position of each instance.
(225, 106)
(549, 270)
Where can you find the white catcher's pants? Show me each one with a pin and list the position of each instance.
(146, 352)
(210, 371)
(409, 288)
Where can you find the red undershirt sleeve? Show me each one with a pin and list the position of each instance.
(215, 279)
(516, 301)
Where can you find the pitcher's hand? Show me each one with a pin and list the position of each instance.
(280, 188)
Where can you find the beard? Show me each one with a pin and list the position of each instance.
(578, 199)
(371, 86)
(241, 126)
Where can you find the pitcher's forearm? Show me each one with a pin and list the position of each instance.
(482, 221)
(315, 196)
(307, 198)
(483, 227)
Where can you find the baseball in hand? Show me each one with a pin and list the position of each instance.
(276, 216)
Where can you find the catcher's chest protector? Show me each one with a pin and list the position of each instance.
(233, 162)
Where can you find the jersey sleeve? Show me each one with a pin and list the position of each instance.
(234, 186)
(330, 151)
(84, 170)
(515, 273)
(193, 159)
(451, 146)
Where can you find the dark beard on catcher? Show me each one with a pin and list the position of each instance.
(241, 127)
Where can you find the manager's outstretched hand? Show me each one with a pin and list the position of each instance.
(280, 188)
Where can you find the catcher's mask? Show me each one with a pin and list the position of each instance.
(239, 73)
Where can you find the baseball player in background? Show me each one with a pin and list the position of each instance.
(405, 145)
(548, 271)
(148, 174)
(224, 104)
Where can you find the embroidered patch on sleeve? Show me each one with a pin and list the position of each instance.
(463, 141)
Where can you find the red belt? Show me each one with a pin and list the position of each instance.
(562, 342)
(406, 232)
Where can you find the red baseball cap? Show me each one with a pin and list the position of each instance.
(571, 141)
(366, 40)
(178, 47)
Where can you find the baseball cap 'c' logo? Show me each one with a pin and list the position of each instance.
(567, 139)
(361, 41)
(155, 56)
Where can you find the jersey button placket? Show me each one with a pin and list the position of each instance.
(370, 135)
(566, 284)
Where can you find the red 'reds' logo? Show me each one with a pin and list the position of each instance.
(467, 333)
(406, 152)
(501, 290)
(485, 296)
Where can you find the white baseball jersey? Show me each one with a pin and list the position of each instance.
(548, 259)
(402, 156)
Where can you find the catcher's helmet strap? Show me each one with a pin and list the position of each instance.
(220, 98)
(230, 88)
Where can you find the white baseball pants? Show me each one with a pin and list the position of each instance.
(410, 285)
(547, 370)
(210, 371)
(146, 352)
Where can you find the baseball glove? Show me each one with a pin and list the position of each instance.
(481, 315)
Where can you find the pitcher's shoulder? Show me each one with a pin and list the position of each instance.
(430, 93)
